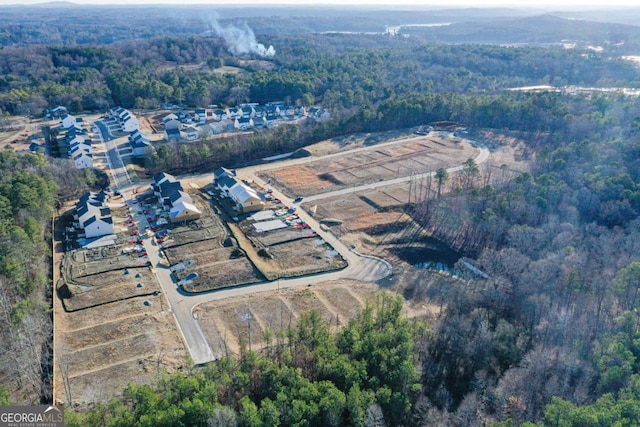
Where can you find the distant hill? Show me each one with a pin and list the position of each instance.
(544, 29)
(69, 23)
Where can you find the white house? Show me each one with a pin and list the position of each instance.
(245, 198)
(319, 114)
(200, 115)
(93, 215)
(219, 114)
(82, 159)
(234, 113)
(130, 124)
(271, 119)
(225, 183)
(59, 111)
(247, 111)
(243, 123)
(183, 211)
(127, 120)
(68, 121)
(80, 151)
(221, 126)
(97, 226)
(191, 133)
(140, 144)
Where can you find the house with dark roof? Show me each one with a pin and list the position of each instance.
(271, 120)
(247, 111)
(68, 121)
(172, 196)
(179, 197)
(98, 226)
(160, 179)
(200, 115)
(219, 114)
(140, 144)
(173, 134)
(259, 122)
(222, 171)
(93, 215)
(126, 119)
(59, 111)
(166, 190)
(34, 147)
(226, 182)
(243, 123)
(234, 113)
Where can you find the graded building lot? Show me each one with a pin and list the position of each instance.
(99, 351)
(228, 323)
(413, 156)
(237, 254)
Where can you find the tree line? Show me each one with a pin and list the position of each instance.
(29, 192)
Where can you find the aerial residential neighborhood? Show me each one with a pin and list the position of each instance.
(319, 215)
(79, 140)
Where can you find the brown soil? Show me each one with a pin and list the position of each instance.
(227, 323)
(364, 167)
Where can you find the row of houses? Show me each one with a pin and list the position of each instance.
(140, 144)
(126, 119)
(93, 216)
(245, 198)
(172, 197)
(76, 143)
(183, 126)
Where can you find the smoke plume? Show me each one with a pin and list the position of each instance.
(241, 40)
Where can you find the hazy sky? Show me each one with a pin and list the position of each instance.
(554, 5)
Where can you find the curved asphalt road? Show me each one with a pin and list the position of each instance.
(360, 267)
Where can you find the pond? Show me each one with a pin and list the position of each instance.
(428, 253)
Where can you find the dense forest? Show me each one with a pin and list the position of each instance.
(341, 71)
(550, 338)
(29, 190)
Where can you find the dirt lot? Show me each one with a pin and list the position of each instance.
(100, 352)
(413, 156)
(228, 323)
(242, 321)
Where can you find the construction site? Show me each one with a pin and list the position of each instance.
(112, 304)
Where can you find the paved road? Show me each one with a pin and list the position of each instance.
(182, 306)
(116, 165)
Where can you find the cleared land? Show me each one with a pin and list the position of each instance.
(99, 351)
(242, 321)
(413, 156)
